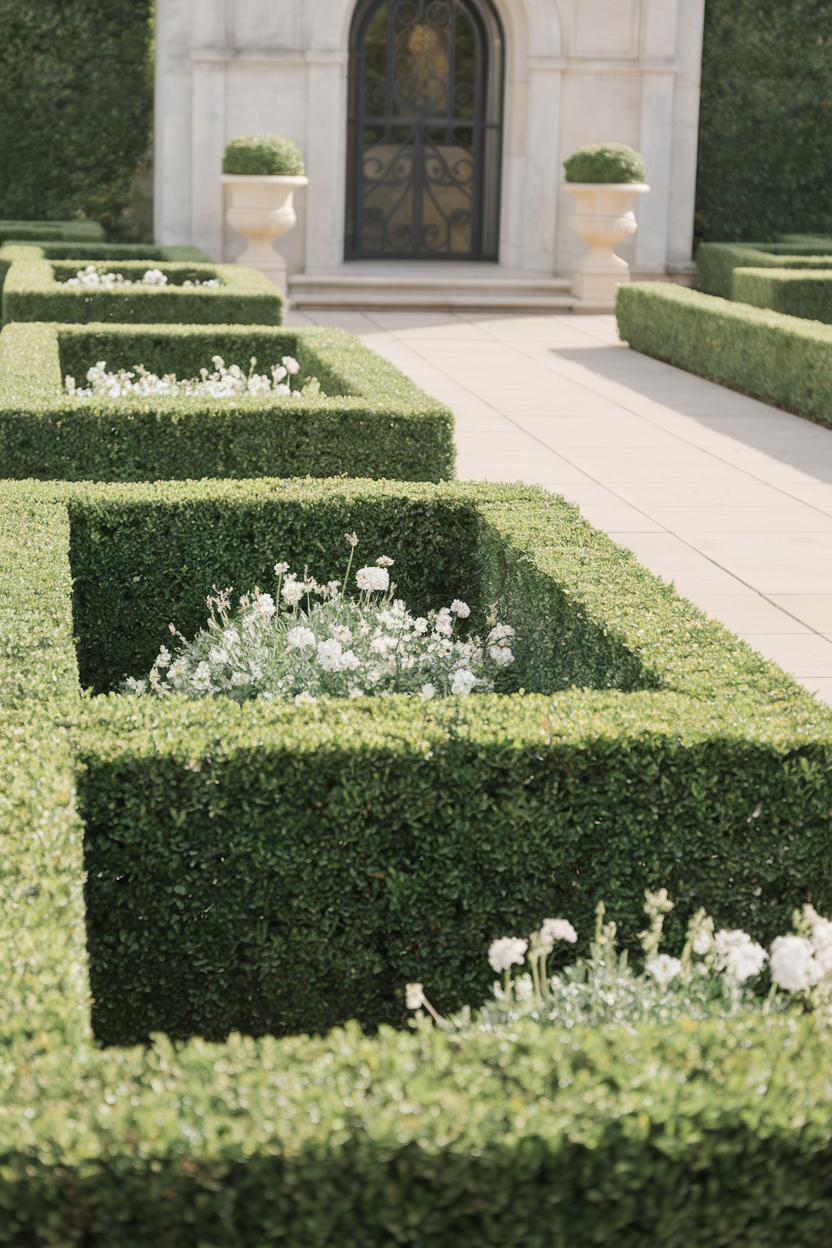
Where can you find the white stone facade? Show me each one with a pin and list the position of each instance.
(577, 71)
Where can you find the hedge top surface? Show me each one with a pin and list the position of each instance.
(68, 231)
(716, 262)
(605, 163)
(263, 155)
(85, 252)
(34, 359)
(34, 291)
(678, 650)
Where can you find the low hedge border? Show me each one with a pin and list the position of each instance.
(717, 262)
(32, 291)
(371, 420)
(89, 252)
(55, 231)
(794, 293)
(780, 359)
(413, 1138)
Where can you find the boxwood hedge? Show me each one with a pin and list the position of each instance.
(780, 359)
(709, 1133)
(60, 231)
(704, 1134)
(236, 853)
(36, 291)
(370, 421)
(89, 252)
(795, 293)
(716, 263)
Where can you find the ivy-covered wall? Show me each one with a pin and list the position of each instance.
(76, 102)
(765, 136)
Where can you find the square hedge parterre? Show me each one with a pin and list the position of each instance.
(84, 253)
(307, 862)
(36, 290)
(236, 854)
(369, 420)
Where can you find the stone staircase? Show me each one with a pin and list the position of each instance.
(431, 286)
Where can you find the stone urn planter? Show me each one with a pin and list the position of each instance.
(261, 208)
(603, 217)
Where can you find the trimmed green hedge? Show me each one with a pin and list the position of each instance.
(237, 854)
(717, 262)
(86, 253)
(780, 359)
(704, 1135)
(808, 295)
(76, 106)
(33, 291)
(371, 421)
(765, 138)
(55, 231)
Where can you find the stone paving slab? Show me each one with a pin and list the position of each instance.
(727, 497)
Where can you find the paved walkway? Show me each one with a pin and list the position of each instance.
(729, 498)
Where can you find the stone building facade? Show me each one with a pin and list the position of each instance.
(430, 128)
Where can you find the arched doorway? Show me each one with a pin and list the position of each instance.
(425, 130)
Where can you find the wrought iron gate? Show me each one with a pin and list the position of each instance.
(425, 130)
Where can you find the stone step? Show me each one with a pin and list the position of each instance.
(498, 284)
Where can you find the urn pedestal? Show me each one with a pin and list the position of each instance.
(262, 209)
(603, 217)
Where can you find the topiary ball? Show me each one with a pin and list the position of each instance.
(272, 155)
(605, 162)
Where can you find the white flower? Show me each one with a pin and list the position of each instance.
(793, 964)
(135, 686)
(702, 942)
(355, 692)
(460, 608)
(556, 929)
(738, 955)
(505, 952)
(373, 580)
(329, 655)
(291, 365)
(384, 561)
(500, 632)
(414, 995)
(420, 625)
(501, 655)
(280, 569)
(427, 692)
(443, 623)
(163, 658)
(292, 591)
(264, 605)
(304, 699)
(462, 681)
(663, 968)
(350, 661)
(300, 638)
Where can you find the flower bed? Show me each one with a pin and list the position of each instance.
(359, 845)
(41, 291)
(368, 421)
(780, 359)
(419, 833)
(84, 252)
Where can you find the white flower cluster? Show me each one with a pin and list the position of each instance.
(310, 640)
(222, 383)
(91, 278)
(710, 977)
